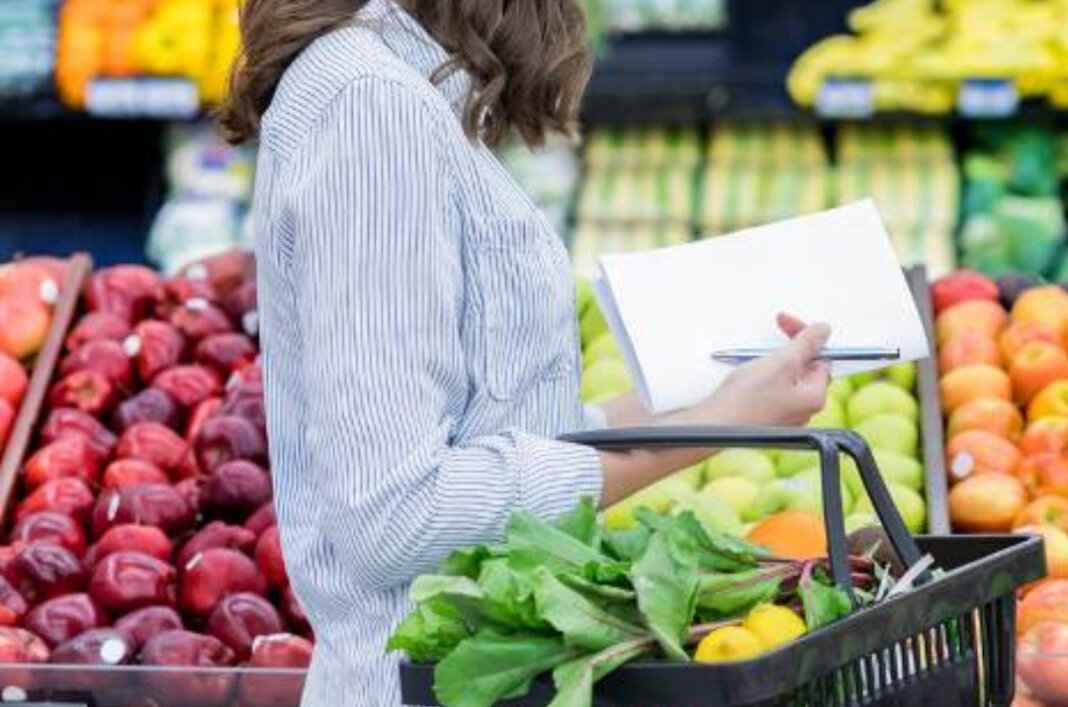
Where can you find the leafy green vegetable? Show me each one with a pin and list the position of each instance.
(722, 595)
(429, 633)
(535, 543)
(468, 563)
(488, 668)
(824, 604)
(665, 581)
(583, 623)
(581, 523)
(600, 592)
(627, 545)
(511, 594)
(574, 680)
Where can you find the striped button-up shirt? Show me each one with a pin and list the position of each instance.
(420, 345)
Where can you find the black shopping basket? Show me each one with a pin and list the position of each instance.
(948, 642)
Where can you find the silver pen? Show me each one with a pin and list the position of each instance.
(866, 353)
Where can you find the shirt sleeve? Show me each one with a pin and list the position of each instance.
(378, 280)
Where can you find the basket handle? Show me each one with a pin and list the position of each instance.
(827, 443)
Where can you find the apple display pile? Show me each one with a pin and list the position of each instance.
(28, 291)
(774, 498)
(144, 532)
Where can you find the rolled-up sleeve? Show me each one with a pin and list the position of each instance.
(379, 287)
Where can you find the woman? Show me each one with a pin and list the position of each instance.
(417, 311)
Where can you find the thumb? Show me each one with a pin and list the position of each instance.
(806, 346)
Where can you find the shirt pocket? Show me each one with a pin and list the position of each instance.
(527, 297)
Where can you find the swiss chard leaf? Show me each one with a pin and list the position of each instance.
(533, 542)
(489, 667)
(511, 593)
(575, 680)
(597, 592)
(429, 633)
(468, 563)
(583, 623)
(581, 523)
(665, 581)
(717, 551)
(727, 595)
(626, 545)
(468, 600)
(824, 604)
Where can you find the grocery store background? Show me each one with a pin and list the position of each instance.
(704, 116)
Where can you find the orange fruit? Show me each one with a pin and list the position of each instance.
(794, 534)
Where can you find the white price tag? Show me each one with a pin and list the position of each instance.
(846, 98)
(143, 98)
(987, 98)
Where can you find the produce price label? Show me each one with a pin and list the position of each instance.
(143, 98)
(987, 98)
(846, 98)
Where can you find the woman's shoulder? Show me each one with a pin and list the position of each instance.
(344, 60)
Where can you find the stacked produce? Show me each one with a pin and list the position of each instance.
(638, 192)
(1013, 215)
(192, 39)
(918, 53)
(28, 290)
(577, 600)
(756, 174)
(774, 498)
(144, 530)
(912, 175)
(1004, 390)
(637, 15)
(27, 47)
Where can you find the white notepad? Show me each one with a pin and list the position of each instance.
(670, 308)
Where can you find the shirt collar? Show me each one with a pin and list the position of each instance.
(410, 41)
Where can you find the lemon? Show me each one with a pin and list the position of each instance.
(728, 645)
(774, 626)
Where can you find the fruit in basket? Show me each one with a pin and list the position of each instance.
(1035, 367)
(26, 325)
(67, 495)
(1044, 473)
(188, 385)
(126, 581)
(189, 489)
(774, 626)
(214, 573)
(216, 534)
(155, 347)
(227, 438)
(1049, 434)
(138, 626)
(154, 443)
(150, 405)
(878, 398)
(145, 539)
(280, 651)
(969, 349)
(106, 357)
(98, 326)
(1019, 334)
(198, 319)
(262, 519)
(68, 422)
(986, 502)
(983, 316)
(50, 527)
(1040, 663)
(1047, 304)
(61, 619)
(892, 432)
(235, 490)
(240, 619)
(909, 503)
(993, 415)
(129, 472)
(1047, 510)
(978, 451)
(188, 687)
(66, 457)
(157, 505)
(181, 289)
(961, 286)
(750, 464)
(43, 571)
(1055, 546)
(13, 380)
(269, 558)
(730, 644)
(1052, 401)
(126, 291)
(794, 534)
(226, 352)
(86, 390)
(973, 382)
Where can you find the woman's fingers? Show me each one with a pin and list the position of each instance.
(807, 345)
(789, 324)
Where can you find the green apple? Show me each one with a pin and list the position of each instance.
(605, 379)
(903, 375)
(909, 504)
(851, 476)
(584, 297)
(856, 521)
(604, 346)
(660, 497)
(832, 416)
(892, 432)
(748, 463)
(840, 389)
(694, 475)
(785, 494)
(881, 397)
(736, 491)
(899, 468)
(592, 324)
(815, 477)
(715, 515)
(791, 461)
(859, 380)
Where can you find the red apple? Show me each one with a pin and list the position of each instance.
(155, 347)
(43, 571)
(152, 442)
(986, 503)
(294, 613)
(127, 291)
(86, 390)
(131, 472)
(269, 558)
(149, 405)
(280, 687)
(13, 606)
(157, 505)
(138, 626)
(68, 422)
(216, 535)
(1019, 334)
(1044, 474)
(968, 348)
(211, 575)
(1046, 305)
(188, 686)
(66, 457)
(20, 647)
(999, 417)
(97, 326)
(262, 519)
(198, 319)
(984, 316)
(240, 618)
(51, 527)
(61, 619)
(977, 452)
(26, 326)
(1041, 663)
(145, 539)
(235, 490)
(962, 286)
(967, 383)
(227, 438)
(13, 380)
(104, 356)
(126, 581)
(67, 495)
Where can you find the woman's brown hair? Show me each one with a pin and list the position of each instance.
(529, 59)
